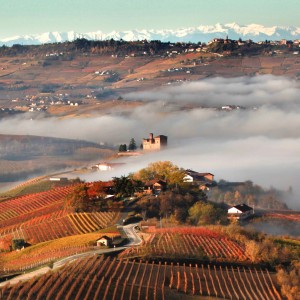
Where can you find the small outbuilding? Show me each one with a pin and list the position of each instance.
(240, 212)
(104, 241)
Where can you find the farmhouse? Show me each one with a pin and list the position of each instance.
(240, 212)
(58, 179)
(104, 241)
(155, 143)
(196, 177)
(107, 166)
(154, 187)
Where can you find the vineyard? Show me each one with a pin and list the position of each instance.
(48, 252)
(105, 278)
(290, 217)
(57, 225)
(22, 209)
(199, 243)
(43, 216)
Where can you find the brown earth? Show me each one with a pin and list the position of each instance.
(21, 76)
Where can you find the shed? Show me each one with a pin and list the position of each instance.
(104, 241)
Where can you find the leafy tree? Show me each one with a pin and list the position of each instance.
(162, 170)
(290, 281)
(124, 186)
(98, 189)
(122, 148)
(252, 250)
(202, 213)
(170, 204)
(132, 145)
(180, 214)
(79, 199)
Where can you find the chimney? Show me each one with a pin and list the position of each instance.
(151, 136)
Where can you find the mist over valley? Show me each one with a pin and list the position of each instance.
(257, 139)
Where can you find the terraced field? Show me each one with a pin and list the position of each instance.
(106, 278)
(190, 243)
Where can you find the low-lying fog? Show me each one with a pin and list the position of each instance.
(276, 227)
(260, 143)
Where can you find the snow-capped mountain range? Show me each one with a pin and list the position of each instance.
(201, 33)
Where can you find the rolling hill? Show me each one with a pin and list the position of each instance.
(25, 156)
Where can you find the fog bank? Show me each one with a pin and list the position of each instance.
(262, 144)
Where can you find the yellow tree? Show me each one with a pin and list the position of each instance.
(290, 281)
(162, 170)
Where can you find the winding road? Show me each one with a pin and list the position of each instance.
(130, 231)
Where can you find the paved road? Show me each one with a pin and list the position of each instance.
(134, 240)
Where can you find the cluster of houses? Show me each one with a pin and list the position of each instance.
(42, 102)
(283, 42)
(54, 54)
(205, 181)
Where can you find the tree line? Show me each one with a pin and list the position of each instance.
(100, 47)
(131, 146)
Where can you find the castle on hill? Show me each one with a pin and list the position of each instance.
(155, 143)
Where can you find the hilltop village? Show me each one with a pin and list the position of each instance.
(87, 81)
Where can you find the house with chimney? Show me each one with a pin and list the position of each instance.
(155, 143)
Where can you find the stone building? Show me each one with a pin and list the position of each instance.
(155, 143)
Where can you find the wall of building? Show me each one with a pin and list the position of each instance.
(155, 143)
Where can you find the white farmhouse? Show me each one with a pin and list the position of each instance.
(240, 212)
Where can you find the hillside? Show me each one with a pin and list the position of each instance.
(107, 278)
(22, 156)
(61, 227)
(79, 77)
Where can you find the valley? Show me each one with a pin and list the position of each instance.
(81, 220)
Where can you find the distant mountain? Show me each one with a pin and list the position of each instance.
(202, 33)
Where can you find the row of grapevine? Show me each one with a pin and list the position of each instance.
(24, 208)
(105, 278)
(289, 216)
(188, 245)
(28, 262)
(58, 225)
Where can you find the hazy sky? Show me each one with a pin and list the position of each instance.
(18, 17)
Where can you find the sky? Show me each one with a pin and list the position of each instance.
(37, 16)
